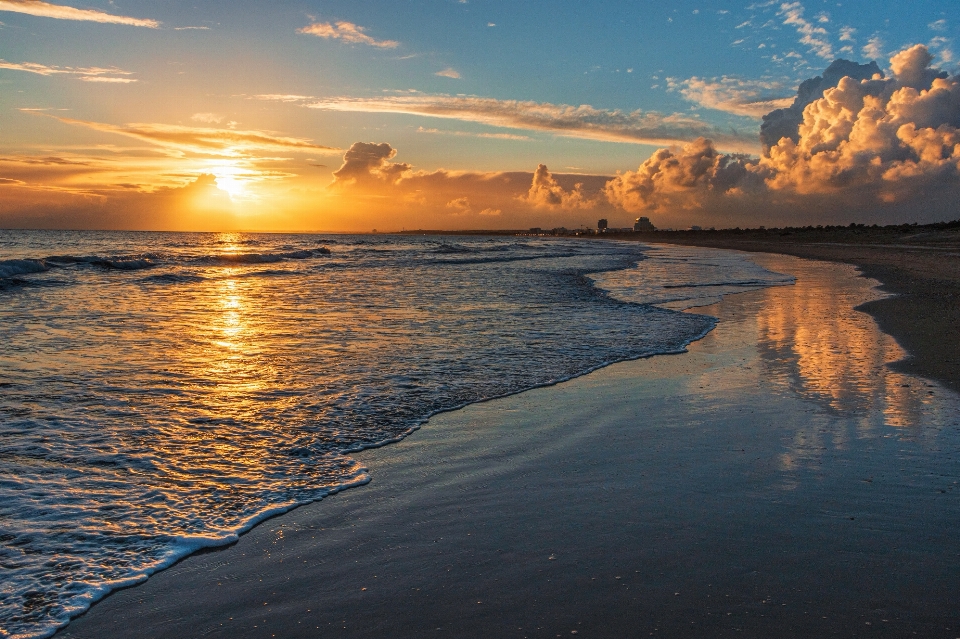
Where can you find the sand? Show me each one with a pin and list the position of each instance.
(920, 265)
(778, 480)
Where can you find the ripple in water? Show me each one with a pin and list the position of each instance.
(174, 389)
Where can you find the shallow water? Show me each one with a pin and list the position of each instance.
(164, 392)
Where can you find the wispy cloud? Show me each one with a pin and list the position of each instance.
(88, 74)
(283, 97)
(753, 98)
(813, 36)
(61, 12)
(179, 140)
(191, 28)
(348, 32)
(467, 134)
(105, 79)
(873, 49)
(449, 72)
(585, 121)
(207, 118)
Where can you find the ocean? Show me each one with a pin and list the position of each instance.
(164, 392)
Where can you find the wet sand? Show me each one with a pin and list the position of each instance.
(920, 265)
(778, 480)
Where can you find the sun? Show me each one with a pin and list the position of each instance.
(231, 178)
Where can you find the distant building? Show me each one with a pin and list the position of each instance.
(602, 224)
(643, 224)
(695, 228)
(535, 230)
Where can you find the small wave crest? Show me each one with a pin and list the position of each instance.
(263, 258)
(12, 268)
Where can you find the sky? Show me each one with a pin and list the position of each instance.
(467, 114)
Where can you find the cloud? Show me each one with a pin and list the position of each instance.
(191, 28)
(202, 140)
(751, 98)
(448, 73)
(60, 12)
(873, 49)
(100, 78)
(545, 192)
(814, 37)
(88, 74)
(369, 177)
(207, 118)
(284, 97)
(785, 122)
(348, 32)
(461, 205)
(585, 121)
(467, 134)
(367, 163)
(938, 25)
(865, 145)
(681, 178)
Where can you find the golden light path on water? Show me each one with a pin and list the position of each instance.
(176, 388)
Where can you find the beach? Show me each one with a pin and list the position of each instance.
(778, 479)
(919, 265)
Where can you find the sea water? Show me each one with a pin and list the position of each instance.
(162, 392)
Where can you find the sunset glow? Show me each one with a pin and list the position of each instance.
(468, 115)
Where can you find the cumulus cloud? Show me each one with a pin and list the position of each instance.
(449, 72)
(367, 163)
(785, 122)
(752, 98)
(583, 121)
(863, 143)
(811, 35)
(88, 74)
(179, 139)
(370, 177)
(347, 32)
(885, 134)
(681, 178)
(60, 12)
(545, 192)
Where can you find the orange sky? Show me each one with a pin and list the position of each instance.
(98, 134)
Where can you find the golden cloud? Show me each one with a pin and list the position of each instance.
(585, 121)
(60, 12)
(204, 140)
(88, 74)
(348, 32)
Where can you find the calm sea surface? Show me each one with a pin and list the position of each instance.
(162, 392)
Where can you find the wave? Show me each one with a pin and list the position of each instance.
(12, 268)
(172, 278)
(263, 258)
(493, 260)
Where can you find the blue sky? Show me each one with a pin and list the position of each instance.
(212, 63)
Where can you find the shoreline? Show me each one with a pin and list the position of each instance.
(924, 278)
(513, 510)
